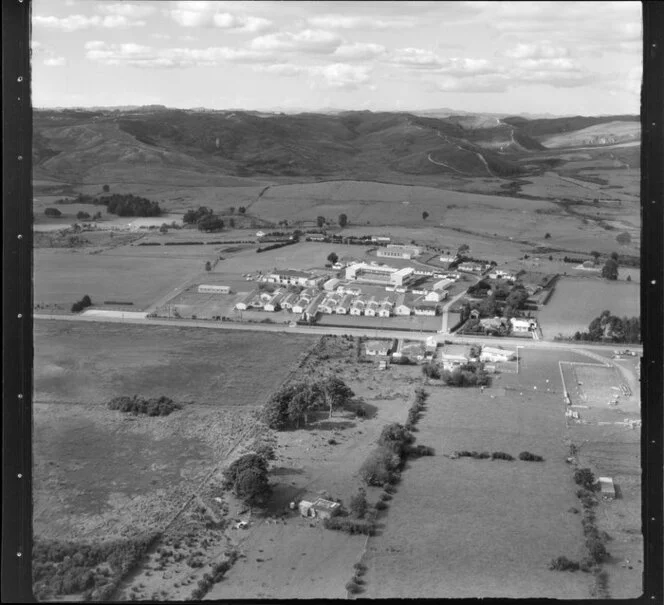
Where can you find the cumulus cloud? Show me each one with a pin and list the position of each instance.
(283, 69)
(241, 23)
(55, 62)
(137, 55)
(342, 75)
(537, 50)
(126, 9)
(416, 58)
(78, 22)
(359, 51)
(217, 14)
(332, 21)
(305, 41)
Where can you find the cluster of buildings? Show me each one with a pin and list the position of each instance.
(355, 295)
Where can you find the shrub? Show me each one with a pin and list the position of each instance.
(563, 564)
(596, 549)
(389, 489)
(385, 497)
(585, 478)
(359, 567)
(332, 442)
(156, 406)
(351, 526)
(501, 456)
(380, 505)
(380, 467)
(530, 457)
(352, 587)
(358, 503)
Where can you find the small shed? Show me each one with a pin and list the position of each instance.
(305, 509)
(325, 509)
(606, 488)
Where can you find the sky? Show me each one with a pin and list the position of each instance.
(562, 58)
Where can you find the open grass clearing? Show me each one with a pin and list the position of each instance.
(577, 301)
(63, 276)
(185, 364)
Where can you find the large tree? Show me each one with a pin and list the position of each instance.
(335, 393)
(610, 269)
(343, 220)
(320, 221)
(247, 477)
(332, 257)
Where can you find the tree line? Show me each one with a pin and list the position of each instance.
(609, 327)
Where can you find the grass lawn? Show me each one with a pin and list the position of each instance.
(62, 277)
(482, 528)
(576, 302)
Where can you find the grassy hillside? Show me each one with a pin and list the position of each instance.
(548, 127)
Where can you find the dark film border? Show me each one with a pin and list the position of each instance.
(17, 300)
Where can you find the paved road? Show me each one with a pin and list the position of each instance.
(340, 331)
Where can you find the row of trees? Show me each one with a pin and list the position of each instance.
(291, 404)
(612, 328)
(125, 204)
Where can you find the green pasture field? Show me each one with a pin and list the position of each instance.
(470, 528)
(64, 276)
(577, 301)
(101, 474)
(186, 364)
(368, 202)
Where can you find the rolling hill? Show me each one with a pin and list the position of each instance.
(165, 144)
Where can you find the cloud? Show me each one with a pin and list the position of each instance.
(217, 14)
(537, 50)
(79, 22)
(137, 55)
(342, 75)
(241, 23)
(418, 58)
(305, 41)
(332, 21)
(359, 51)
(125, 9)
(283, 69)
(55, 62)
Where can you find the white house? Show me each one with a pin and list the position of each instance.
(356, 309)
(500, 274)
(448, 258)
(436, 296)
(402, 309)
(344, 305)
(274, 303)
(523, 324)
(494, 354)
(289, 276)
(371, 309)
(243, 305)
(385, 310)
(378, 347)
(301, 305)
(289, 300)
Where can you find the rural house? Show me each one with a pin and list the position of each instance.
(435, 296)
(378, 347)
(331, 284)
(289, 277)
(344, 305)
(274, 304)
(243, 305)
(371, 309)
(471, 267)
(385, 310)
(402, 309)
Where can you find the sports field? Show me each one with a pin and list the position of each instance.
(577, 301)
(64, 276)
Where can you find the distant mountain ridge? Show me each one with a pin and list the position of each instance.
(92, 144)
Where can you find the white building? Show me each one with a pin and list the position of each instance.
(381, 274)
(371, 309)
(399, 251)
(436, 296)
(274, 304)
(520, 324)
(448, 258)
(472, 267)
(213, 289)
(494, 354)
(331, 284)
(344, 305)
(289, 277)
(385, 310)
(442, 284)
(426, 308)
(500, 274)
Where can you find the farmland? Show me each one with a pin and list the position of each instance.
(475, 528)
(99, 473)
(577, 301)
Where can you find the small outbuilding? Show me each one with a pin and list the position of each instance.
(606, 488)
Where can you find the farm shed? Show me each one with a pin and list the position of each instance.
(494, 354)
(325, 509)
(213, 289)
(523, 325)
(607, 488)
